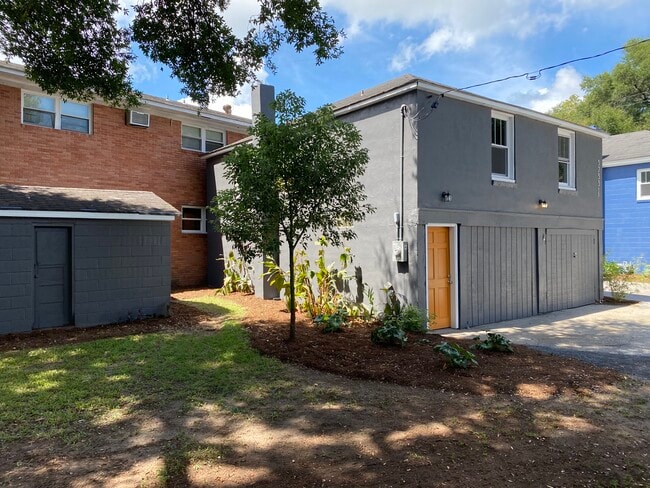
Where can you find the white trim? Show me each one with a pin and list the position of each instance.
(571, 184)
(204, 137)
(509, 119)
(203, 220)
(57, 111)
(626, 162)
(46, 214)
(453, 270)
(638, 185)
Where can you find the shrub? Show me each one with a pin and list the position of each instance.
(407, 317)
(619, 277)
(494, 342)
(389, 333)
(332, 322)
(236, 275)
(456, 356)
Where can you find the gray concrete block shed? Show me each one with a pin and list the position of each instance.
(82, 257)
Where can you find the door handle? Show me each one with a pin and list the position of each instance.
(449, 280)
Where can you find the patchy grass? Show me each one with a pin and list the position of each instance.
(65, 391)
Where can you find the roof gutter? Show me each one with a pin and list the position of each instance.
(47, 214)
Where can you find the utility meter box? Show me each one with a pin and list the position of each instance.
(400, 251)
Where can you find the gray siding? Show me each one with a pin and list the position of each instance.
(121, 270)
(497, 274)
(16, 276)
(568, 269)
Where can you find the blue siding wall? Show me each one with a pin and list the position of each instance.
(627, 221)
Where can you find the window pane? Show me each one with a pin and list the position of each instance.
(499, 132)
(38, 102)
(36, 117)
(192, 212)
(191, 225)
(211, 146)
(563, 145)
(191, 143)
(564, 173)
(75, 124)
(645, 176)
(75, 109)
(193, 132)
(213, 136)
(500, 161)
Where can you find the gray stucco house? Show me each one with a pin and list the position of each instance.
(71, 256)
(485, 211)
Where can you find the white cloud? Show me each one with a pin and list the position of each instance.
(142, 71)
(240, 103)
(565, 83)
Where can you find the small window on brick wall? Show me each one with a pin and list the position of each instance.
(201, 139)
(55, 113)
(193, 220)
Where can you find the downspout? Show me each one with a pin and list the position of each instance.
(400, 225)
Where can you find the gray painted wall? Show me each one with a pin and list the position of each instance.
(499, 276)
(121, 270)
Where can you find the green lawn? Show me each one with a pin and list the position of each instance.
(64, 391)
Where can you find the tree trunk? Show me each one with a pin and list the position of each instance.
(292, 296)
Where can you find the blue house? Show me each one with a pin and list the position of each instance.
(626, 192)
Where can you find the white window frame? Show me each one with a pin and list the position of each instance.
(571, 163)
(638, 184)
(204, 133)
(510, 146)
(203, 220)
(57, 111)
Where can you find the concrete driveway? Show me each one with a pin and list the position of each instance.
(614, 336)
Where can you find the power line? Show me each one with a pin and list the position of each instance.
(532, 75)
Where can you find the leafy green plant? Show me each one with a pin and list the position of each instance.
(456, 355)
(332, 322)
(389, 333)
(407, 317)
(494, 342)
(236, 275)
(619, 277)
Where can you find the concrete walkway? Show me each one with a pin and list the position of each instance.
(614, 336)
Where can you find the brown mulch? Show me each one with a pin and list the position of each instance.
(527, 372)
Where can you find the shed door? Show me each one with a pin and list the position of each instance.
(439, 277)
(571, 268)
(52, 273)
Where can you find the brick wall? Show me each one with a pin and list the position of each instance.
(114, 156)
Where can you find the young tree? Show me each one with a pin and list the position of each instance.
(297, 180)
(616, 101)
(78, 49)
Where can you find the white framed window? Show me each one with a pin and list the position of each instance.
(55, 113)
(201, 139)
(566, 156)
(193, 220)
(503, 152)
(643, 184)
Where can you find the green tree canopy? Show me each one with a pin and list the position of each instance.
(617, 101)
(299, 179)
(78, 49)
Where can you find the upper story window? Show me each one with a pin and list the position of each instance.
(566, 156)
(55, 113)
(503, 158)
(201, 139)
(643, 184)
(193, 220)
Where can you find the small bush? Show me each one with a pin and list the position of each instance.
(412, 318)
(494, 342)
(456, 356)
(332, 322)
(619, 277)
(236, 275)
(389, 333)
(407, 317)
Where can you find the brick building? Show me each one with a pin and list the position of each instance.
(45, 141)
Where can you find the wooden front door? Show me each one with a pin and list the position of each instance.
(439, 277)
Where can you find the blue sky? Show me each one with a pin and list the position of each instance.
(453, 42)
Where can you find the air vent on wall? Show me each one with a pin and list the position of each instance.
(140, 119)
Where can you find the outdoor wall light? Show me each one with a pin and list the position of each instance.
(543, 204)
(446, 196)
